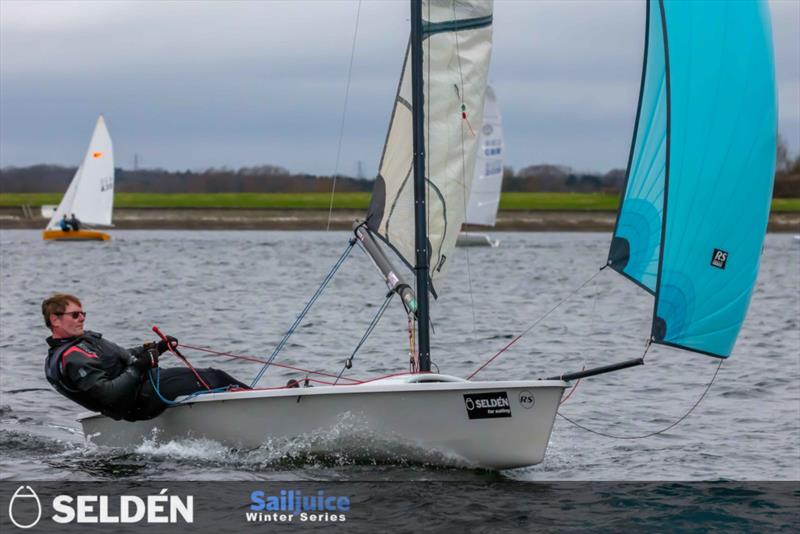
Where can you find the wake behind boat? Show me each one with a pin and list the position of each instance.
(90, 195)
(690, 230)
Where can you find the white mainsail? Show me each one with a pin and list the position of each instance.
(488, 181)
(456, 50)
(90, 195)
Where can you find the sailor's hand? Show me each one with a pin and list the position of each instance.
(162, 345)
(146, 360)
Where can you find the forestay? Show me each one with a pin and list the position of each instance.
(457, 50)
(90, 195)
(712, 204)
(488, 180)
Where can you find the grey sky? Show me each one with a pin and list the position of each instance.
(188, 85)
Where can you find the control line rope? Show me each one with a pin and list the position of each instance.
(248, 358)
(574, 389)
(370, 328)
(649, 434)
(155, 380)
(539, 320)
(173, 349)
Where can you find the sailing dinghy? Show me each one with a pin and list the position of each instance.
(90, 195)
(492, 424)
(484, 198)
(689, 231)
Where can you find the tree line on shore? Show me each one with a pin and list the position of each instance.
(274, 179)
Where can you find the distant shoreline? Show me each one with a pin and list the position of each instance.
(315, 219)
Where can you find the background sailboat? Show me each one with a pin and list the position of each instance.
(90, 195)
(484, 198)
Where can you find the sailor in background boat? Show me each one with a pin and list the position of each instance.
(74, 222)
(64, 224)
(104, 377)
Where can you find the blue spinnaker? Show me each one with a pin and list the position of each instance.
(636, 244)
(721, 147)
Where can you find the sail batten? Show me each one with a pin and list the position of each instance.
(431, 28)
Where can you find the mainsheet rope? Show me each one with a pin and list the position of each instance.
(174, 350)
(155, 379)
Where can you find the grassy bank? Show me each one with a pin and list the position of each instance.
(355, 201)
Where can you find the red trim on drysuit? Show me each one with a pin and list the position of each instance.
(75, 349)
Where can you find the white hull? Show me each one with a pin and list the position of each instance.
(430, 418)
(471, 239)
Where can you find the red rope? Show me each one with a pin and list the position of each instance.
(537, 321)
(501, 351)
(260, 360)
(293, 386)
(174, 350)
(471, 131)
(393, 375)
(565, 399)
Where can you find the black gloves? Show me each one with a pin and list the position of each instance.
(162, 345)
(146, 359)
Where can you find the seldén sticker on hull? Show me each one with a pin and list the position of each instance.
(487, 405)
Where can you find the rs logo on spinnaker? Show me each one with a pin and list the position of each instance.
(719, 258)
(487, 405)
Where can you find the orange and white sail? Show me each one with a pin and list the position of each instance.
(90, 195)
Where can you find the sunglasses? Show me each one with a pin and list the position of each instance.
(74, 314)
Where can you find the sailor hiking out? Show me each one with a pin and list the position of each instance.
(104, 377)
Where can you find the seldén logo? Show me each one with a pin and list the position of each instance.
(104, 509)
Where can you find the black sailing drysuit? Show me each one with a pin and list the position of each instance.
(100, 376)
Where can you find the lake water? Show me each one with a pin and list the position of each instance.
(239, 291)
